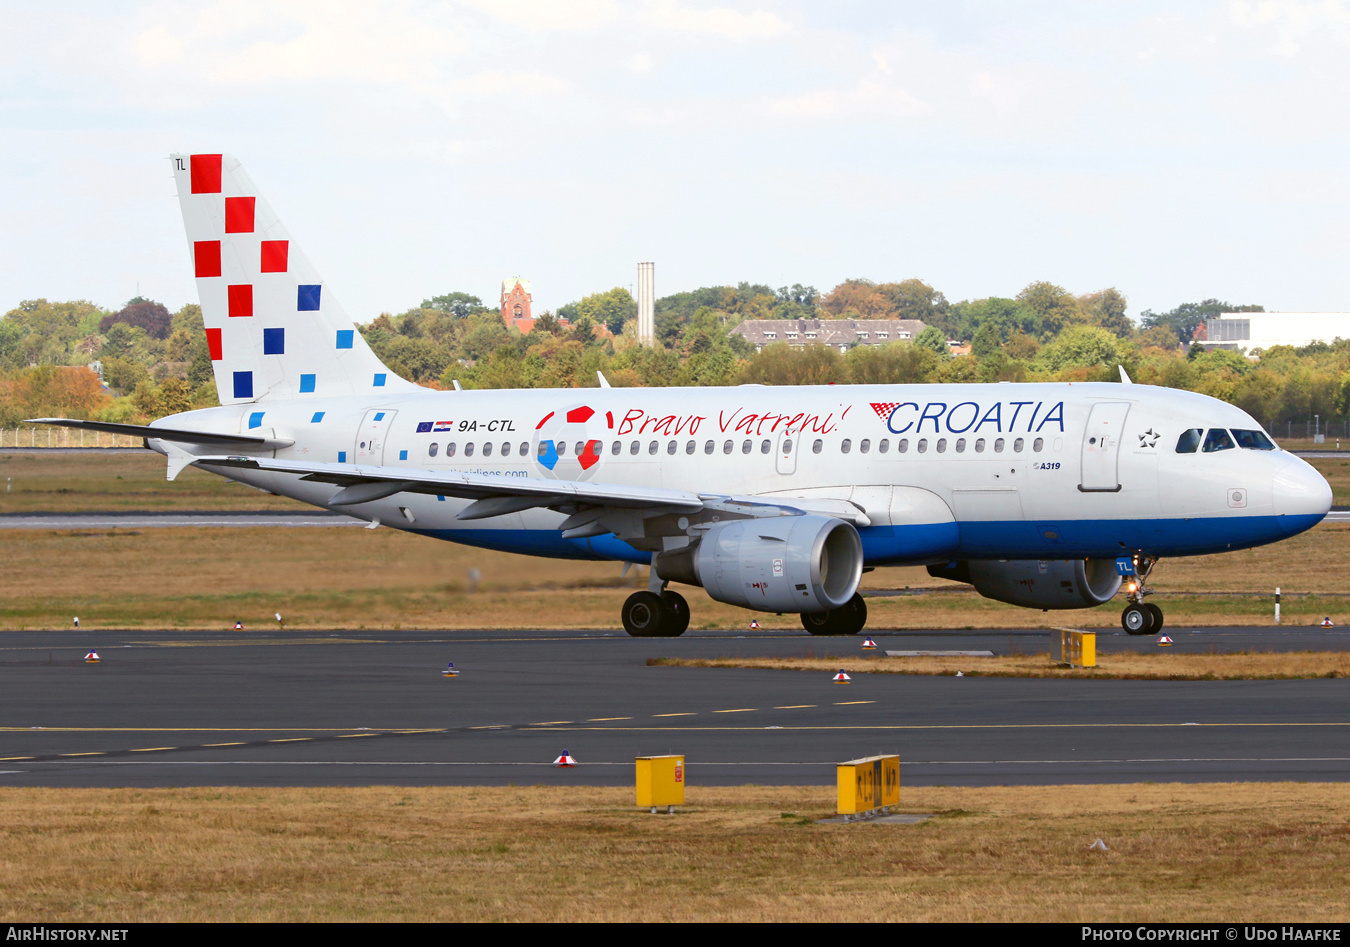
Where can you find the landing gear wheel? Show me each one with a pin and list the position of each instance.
(645, 615)
(848, 619)
(1157, 614)
(1137, 620)
(677, 614)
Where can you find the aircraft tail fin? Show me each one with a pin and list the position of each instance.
(274, 330)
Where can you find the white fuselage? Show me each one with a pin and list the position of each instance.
(943, 472)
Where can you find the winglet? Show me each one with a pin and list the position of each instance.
(1124, 378)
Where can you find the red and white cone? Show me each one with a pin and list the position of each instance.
(565, 761)
(92, 658)
(238, 626)
(450, 670)
(842, 678)
(1164, 641)
(869, 645)
(754, 624)
(1327, 623)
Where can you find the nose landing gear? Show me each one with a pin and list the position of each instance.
(1140, 617)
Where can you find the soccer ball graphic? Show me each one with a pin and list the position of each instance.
(567, 443)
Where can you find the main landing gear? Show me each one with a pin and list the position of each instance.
(1140, 617)
(848, 619)
(655, 615)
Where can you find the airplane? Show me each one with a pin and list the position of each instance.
(775, 499)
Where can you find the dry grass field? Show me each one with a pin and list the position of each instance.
(362, 579)
(1151, 666)
(1255, 852)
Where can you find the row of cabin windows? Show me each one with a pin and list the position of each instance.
(1218, 439)
(747, 446)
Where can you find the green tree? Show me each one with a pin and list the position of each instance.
(932, 338)
(1081, 347)
(781, 364)
(1106, 308)
(1054, 304)
(1186, 318)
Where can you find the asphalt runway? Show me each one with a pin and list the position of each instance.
(269, 708)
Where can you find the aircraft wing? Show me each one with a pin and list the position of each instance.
(641, 516)
(208, 438)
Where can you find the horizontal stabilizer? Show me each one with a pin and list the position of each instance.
(172, 434)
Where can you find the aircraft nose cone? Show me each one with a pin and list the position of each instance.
(1301, 492)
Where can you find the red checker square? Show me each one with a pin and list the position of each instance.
(241, 300)
(591, 455)
(239, 214)
(579, 415)
(213, 343)
(207, 256)
(205, 174)
(274, 254)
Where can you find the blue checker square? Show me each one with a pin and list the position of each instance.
(440, 498)
(255, 419)
(243, 384)
(318, 416)
(307, 299)
(306, 383)
(403, 455)
(344, 340)
(379, 415)
(274, 341)
(342, 457)
(379, 379)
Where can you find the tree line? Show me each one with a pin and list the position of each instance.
(155, 362)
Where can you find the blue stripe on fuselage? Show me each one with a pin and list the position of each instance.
(930, 542)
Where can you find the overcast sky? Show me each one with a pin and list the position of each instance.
(1174, 150)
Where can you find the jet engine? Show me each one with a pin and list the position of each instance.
(1038, 583)
(808, 563)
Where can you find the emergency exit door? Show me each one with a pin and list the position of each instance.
(370, 437)
(1101, 447)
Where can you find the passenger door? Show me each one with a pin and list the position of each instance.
(1101, 447)
(370, 437)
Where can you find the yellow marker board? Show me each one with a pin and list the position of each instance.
(868, 784)
(660, 781)
(1077, 648)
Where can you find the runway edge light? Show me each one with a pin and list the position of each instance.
(660, 782)
(92, 658)
(869, 645)
(565, 761)
(450, 670)
(842, 677)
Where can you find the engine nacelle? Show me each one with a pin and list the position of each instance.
(808, 563)
(1038, 583)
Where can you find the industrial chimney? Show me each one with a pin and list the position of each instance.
(646, 300)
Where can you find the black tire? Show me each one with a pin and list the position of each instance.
(645, 615)
(853, 615)
(818, 623)
(677, 614)
(848, 619)
(1136, 620)
(1157, 614)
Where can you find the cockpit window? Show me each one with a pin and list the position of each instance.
(1217, 439)
(1189, 441)
(1253, 440)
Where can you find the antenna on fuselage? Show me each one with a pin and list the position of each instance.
(1124, 378)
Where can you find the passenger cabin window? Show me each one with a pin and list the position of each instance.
(634, 447)
(506, 448)
(727, 446)
(922, 446)
(864, 445)
(1017, 445)
(902, 445)
(561, 448)
(1037, 444)
(616, 448)
(450, 449)
(787, 446)
(883, 445)
(709, 447)
(670, 447)
(765, 446)
(487, 449)
(1253, 440)
(431, 449)
(845, 445)
(653, 447)
(689, 447)
(1217, 439)
(998, 445)
(747, 446)
(524, 448)
(979, 445)
(468, 449)
(1189, 441)
(960, 445)
(942, 445)
(818, 446)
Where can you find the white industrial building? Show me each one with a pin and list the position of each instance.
(1247, 331)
